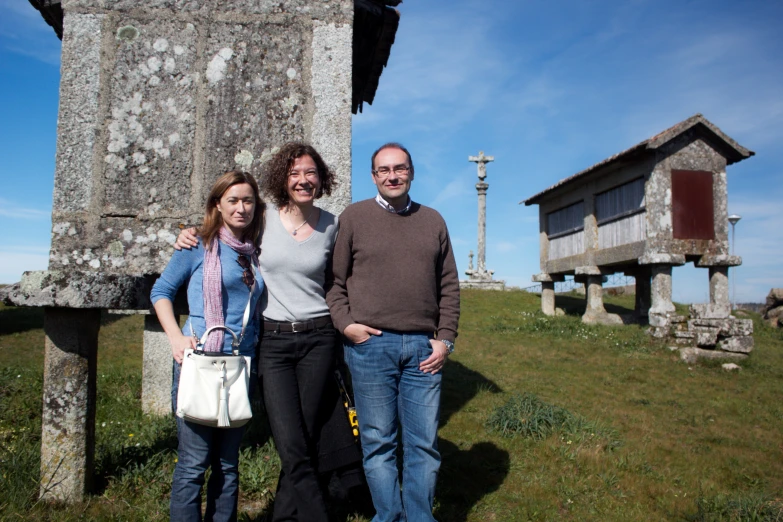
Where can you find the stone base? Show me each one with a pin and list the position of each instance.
(691, 355)
(709, 332)
(602, 318)
(481, 284)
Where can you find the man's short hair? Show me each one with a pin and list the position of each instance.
(391, 145)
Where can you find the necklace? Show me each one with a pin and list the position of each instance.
(296, 229)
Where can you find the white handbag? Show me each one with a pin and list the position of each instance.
(213, 386)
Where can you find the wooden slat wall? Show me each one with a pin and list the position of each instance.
(570, 217)
(624, 198)
(623, 231)
(565, 246)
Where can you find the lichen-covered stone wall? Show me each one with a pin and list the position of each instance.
(159, 97)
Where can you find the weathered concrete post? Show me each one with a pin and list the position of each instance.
(719, 285)
(643, 289)
(157, 369)
(548, 298)
(594, 297)
(68, 419)
(661, 290)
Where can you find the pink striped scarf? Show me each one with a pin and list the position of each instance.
(212, 287)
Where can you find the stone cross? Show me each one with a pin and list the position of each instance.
(482, 187)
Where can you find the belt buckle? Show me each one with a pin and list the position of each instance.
(295, 327)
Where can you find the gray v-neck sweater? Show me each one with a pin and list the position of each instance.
(295, 272)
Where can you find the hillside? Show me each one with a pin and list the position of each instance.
(542, 419)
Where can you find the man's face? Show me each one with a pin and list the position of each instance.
(392, 186)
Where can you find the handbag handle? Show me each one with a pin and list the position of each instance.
(234, 344)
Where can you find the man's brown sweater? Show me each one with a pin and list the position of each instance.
(394, 271)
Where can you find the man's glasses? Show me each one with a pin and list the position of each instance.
(384, 172)
(247, 275)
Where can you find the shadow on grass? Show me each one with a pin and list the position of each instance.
(460, 384)
(574, 305)
(16, 320)
(20, 319)
(466, 476)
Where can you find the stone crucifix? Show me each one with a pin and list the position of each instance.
(481, 187)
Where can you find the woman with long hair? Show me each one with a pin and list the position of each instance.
(222, 276)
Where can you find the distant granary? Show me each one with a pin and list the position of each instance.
(157, 99)
(658, 204)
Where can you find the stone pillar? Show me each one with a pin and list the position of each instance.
(594, 297)
(594, 294)
(661, 293)
(642, 306)
(156, 374)
(548, 298)
(68, 418)
(719, 285)
(547, 290)
(481, 188)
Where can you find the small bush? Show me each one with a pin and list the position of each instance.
(750, 507)
(528, 416)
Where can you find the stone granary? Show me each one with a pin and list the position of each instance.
(658, 204)
(157, 99)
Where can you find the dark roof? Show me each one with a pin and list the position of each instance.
(374, 28)
(52, 12)
(733, 151)
(375, 25)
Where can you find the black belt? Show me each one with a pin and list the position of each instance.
(299, 326)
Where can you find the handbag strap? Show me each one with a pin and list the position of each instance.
(236, 342)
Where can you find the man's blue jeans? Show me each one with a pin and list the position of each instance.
(201, 447)
(390, 389)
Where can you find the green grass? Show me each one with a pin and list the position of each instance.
(542, 419)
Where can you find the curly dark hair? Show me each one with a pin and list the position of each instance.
(274, 179)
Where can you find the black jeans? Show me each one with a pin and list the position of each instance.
(294, 369)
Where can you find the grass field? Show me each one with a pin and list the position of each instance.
(542, 419)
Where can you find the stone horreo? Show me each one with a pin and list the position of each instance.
(659, 204)
(157, 99)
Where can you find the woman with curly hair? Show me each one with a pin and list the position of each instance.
(296, 359)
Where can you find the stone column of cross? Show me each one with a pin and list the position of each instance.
(482, 187)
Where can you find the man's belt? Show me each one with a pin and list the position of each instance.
(299, 326)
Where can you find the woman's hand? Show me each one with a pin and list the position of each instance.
(186, 239)
(179, 344)
(358, 333)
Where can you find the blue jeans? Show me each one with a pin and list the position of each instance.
(199, 448)
(390, 390)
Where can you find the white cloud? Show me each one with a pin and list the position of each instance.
(449, 193)
(505, 246)
(23, 31)
(15, 260)
(13, 210)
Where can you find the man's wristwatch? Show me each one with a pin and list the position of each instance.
(449, 345)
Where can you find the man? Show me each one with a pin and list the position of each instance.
(395, 298)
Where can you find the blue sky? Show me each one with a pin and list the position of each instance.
(547, 88)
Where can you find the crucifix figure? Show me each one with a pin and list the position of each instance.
(481, 187)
